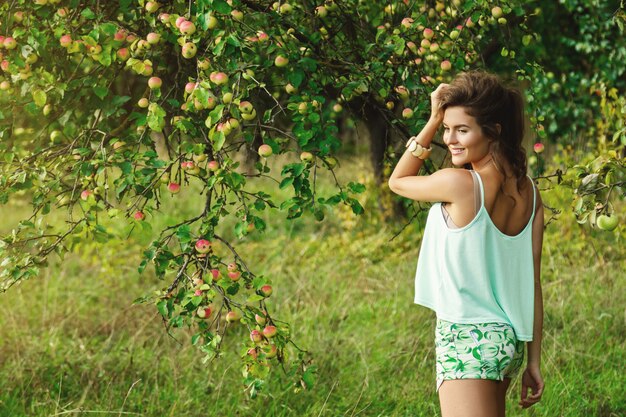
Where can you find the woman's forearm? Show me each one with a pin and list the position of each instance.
(410, 165)
(534, 347)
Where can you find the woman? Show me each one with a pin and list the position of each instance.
(479, 262)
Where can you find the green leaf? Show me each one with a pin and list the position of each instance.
(162, 307)
(319, 214)
(100, 91)
(108, 29)
(286, 182)
(221, 6)
(88, 14)
(39, 97)
(218, 139)
(356, 187)
(357, 208)
(183, 233)
(296, 77)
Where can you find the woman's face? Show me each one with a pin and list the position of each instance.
(464, 137)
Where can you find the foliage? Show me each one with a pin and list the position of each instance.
(110, 111)
(109, 107)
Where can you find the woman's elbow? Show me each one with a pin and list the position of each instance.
(393, 184)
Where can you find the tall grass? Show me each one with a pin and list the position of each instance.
(72, 343)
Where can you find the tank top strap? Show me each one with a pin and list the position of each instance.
(478, 191)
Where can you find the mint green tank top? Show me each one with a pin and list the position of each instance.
(476, 273)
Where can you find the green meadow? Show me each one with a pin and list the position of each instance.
(73, 343)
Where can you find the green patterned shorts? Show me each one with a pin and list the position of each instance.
(477, 351)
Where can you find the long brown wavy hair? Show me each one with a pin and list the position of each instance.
(485, 97)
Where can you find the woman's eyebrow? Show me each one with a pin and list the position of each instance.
(459, 125)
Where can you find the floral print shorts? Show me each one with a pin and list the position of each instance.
(477, 351)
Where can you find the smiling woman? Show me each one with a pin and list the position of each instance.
(479, 262)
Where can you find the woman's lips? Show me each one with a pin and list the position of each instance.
(456, 151)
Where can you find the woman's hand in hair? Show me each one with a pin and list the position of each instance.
(436, 113)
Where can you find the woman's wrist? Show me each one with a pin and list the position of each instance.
(436, 119)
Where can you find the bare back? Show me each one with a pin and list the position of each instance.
(510, 209)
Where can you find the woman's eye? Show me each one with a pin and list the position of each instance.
(463, 131)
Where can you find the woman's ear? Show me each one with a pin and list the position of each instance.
(499, 128)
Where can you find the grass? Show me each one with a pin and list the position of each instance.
(72, 343)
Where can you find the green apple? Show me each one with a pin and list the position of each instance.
(607, 223)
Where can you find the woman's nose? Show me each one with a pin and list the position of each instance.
(449, 138)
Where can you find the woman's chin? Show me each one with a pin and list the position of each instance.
(458, 161)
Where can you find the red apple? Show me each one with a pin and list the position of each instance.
(203, 246)
(215, 273)
(538, 147)
(428, 33)
(245, 107)
(269, 331)
(139, 216)
(153, 38)
(237, 15)
(213, 166)
(189, 50)
(9, 43)
(496, 12)
(204, 312)
(261, 320)
(256, 336)
(152, 6)
(281, 61)
(123, 54)
(179, 21)
(265, 150)
(407, 113)
(154, 83)
(84, 195)
(173, 187)
(218, 78)
(446, 65)
(233, 316)
(65, 41)
(252, 352)
(234, 275)
(321, 11)
(266, 290)
(143, 102)
(187, 28)
(306, 156)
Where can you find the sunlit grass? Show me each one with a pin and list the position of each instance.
(72, 343)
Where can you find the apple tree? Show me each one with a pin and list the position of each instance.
(109, 109)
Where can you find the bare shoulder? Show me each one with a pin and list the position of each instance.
(445, 185)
